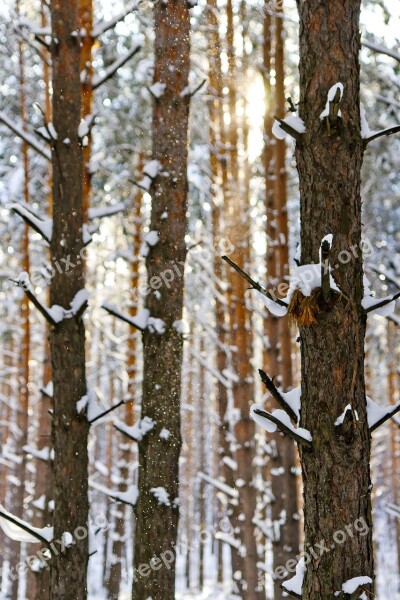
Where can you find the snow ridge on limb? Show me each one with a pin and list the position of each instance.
(279, 419)
(129, 497)
(378, 415)
(42, 226)
(113, 68)
(26, 136)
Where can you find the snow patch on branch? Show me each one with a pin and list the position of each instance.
(158, 89)
(293, 121)
(352, 585)
(19, 534)
(161, 495)
(281, 416)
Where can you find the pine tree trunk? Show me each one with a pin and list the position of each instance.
(336, 472)
(157, 523)
(67, 338)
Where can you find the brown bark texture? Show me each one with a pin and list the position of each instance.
(67, 338)
(157, 523)
(336, 472)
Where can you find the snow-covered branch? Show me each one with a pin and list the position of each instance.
(102, 27)
(383, 132)
(275, 393)
(106, 412)
(113, 68)
(24, 135)
(106, 211)
(129, 497)
(292, 125)
(374, 306)
(139, 322)
(378, 415)
(42, 226)
(279, 419)
(21, 531)
(254, 284)
(381, 49)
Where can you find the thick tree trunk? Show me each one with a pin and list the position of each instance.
(336, 472)
(67, 338)
(157, 520)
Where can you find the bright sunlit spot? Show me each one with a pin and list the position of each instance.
(255, 115)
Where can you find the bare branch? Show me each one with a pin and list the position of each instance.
(113, 68)
(275, 393)
(197, 88)
(24, 135)
(292, 434)
(378, 134)
(254, 284)
(106, 412)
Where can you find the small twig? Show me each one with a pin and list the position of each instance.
(378, 134)
(269, 384)
(288, 129)
(115, 313)
(112, 69)
(254, 284)
(325, 272)
(292, 106)
(106, 412)
(292, 434)
(197, 88)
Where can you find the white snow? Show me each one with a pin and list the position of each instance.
(156, 325)
(293, 398)
(43, 226)
(162, 495)
(106, 211)
(365, 130)
(20, 535)
(58, 313)
(350, 586)
(341, 418)
(295, 584)
(83, 129)
(376, 413)
(331, 97)
(158, 89)
(128, 497)
(181, 326)
(294, 121)
(48, 132)
(220, 485)
(274, 308)
(44, 454)
(165, 434)
(138, 430)
(152, 238)
(152, 169)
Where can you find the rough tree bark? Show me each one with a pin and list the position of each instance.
(336, 472)
(157, 523)
(67, 338)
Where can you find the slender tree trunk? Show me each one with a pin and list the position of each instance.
(394, 434)
(283, 477)
(336, 471)
(237, 218)
(67, 338)
(157, 521)
(86, 23)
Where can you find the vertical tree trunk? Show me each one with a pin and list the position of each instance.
(157, 521)
(67, 338)
(237, 219)
(86, 24)
(336, 472)
(283, 478)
